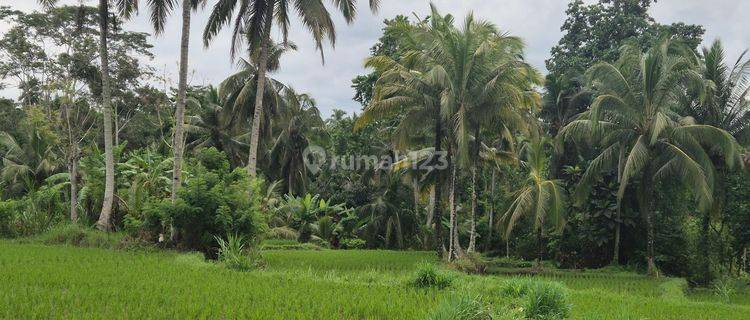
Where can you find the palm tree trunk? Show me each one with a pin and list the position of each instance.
(618, 229)
(73, 171)
(252, 160)
(179, 114)
(72, 163)
(645, 207)
(437, 195)
(540, 247)
(473, 230)
(488, 242)
(454, 246)
(475, 164)
(705, 229)
(105, 217)
(429, 219)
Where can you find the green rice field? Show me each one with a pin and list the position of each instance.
(61, 282)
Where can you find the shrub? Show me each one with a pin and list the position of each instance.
(237, 254)
(7, 211)
(353, 244)
(213, 201)
(547, 300)
(462, 307)
(430, 276)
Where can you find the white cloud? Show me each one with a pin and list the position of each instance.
(536, 21)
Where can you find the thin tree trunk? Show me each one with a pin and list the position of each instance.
(540, 248)
(105, 217)
(73, 171)
(429, 219)
(455, 250)
(437, 195)
(415, 193)
(705, 229)
(452, 214)
(473, 230)
(72, 162)
(645, 207)
(491, 227)
(474, 165)
(618, 229)
(252, 160)
(179, 114)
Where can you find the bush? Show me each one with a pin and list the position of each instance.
(547, 300)
(7, 211)
(237, 254)
(214, 201)
(353, 244)
(462, 307)
(33, 214)
(430, 276)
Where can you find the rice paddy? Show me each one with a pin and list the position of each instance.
(61, 282)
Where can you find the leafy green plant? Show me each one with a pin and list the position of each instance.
(725, 288)
(237, 254)
(429, 275)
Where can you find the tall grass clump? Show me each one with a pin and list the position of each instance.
(429, 275)
(462, 307)
(547, 300)
(80, 236)
(236, 253)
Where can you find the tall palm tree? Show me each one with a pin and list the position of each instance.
(411, 89)
(178, 144)
(726, 106)
(539, 196)
(254, 21)
(633, 122)
(298, 123)
(238, 93)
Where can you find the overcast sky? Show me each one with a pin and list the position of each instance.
(536, 21)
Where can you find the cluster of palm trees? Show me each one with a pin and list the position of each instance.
(252, 23)
(664, 114)
(473, 85)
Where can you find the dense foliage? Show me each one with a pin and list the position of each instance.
(631, 152)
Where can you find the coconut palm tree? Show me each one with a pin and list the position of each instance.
(28, 161)
(254, 21)
(298, 123)
(541, 197)
(633, 122)
(238, 92)
(211, 128)
(725, 106)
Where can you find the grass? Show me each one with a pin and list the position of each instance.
(59, 282)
